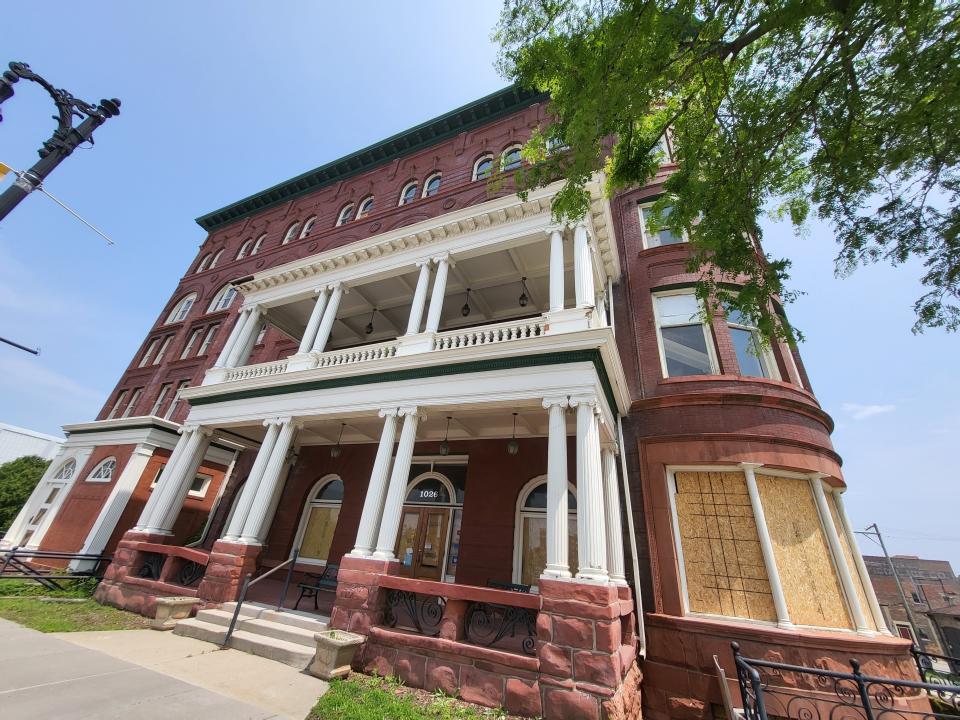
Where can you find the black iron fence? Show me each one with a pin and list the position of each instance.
(777, 691)
(937, 669)
(48, 567)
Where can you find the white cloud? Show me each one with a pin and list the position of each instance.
(862, 412)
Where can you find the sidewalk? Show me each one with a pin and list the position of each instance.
(144, 674)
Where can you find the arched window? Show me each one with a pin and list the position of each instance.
(409, 193)
(223, 298)
(530, 535)
(431, 488)
(432, 185)
(346, 215)
(104, 471)
(308, 227)
(483, 167)
(244, 250)
(204, 262)
(510, 160)
(181, 309)
(258, 244)
(215, 260)
(319, 520)
(365, 207)
(291, 232)
(66, 470)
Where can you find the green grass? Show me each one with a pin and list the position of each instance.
(361, 697)
(67, 610)
(25, 588)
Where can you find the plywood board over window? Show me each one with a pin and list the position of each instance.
(810, 584)
(723, 563)
(851, 563)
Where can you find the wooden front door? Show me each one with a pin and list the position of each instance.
(421, 545)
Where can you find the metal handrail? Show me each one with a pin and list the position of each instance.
(248, 583)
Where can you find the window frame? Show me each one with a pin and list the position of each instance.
(766, 356)
(162, 352)
(345, 215)
(307, 227)
(171, 409)
(215, 260)
(426, 184)
(257, 245)
(503, 157)
(291, 232)
(216, 303)
(134, 399)
(707, 331)
(191, 341)
(476, 167)
(208, 339)
(69, 462)
(181, 309)
(204, 263)
(520, 514)
(148, 353)
(100, 465)
(244, 249)
(412, 185)
(367, 203)
(644, 230)
(160, 399)
(121, 397)
(308, 506)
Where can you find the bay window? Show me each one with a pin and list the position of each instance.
(686, 346)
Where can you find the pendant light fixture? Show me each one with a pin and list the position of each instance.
(524, 299)
(445, 446)
(369, 328)
(465, 310)
(513, 447)
(337, 449)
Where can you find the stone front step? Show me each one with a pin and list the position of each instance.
(279, 636)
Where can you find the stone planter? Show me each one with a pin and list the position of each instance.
(335, 651)
(171, 610)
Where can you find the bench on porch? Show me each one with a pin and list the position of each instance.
(513, 587)
(327, 580)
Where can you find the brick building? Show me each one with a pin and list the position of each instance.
(392, 365)
(933, 592)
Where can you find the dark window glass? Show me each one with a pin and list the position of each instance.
(748, 354)
(430, 490)
(331, 491)
(685, 350)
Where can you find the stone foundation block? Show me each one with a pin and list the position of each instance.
(443, 676)
(570, 705)
(597, 668)
(522, 697)
(573, 632)
(480, 687)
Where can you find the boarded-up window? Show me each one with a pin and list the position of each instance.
(851, 564)
(722, 560)
(810, 584)
(323, 511)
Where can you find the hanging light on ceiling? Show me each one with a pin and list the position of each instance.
(524, 299)
(465, 310)
(337, 449)
(445, 446)
(369, 328)
(513, 447)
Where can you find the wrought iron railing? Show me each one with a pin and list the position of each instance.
(948, 672)
(778, 691)
(489, 624)
(414, 611)
(249, 581)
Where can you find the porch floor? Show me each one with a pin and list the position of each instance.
(268, 591)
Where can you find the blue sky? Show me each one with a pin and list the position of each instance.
(222, 99)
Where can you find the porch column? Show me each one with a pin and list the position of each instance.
(255, 526)
(175, 482)
(766, 546)
(377, 488)
(242, 319)
(390, 523)
(244, 340)
(249, 491)
(836, 549)
(591, 533)
(558, 535)
(582, 267)
(329, 316)
(419, 298)
(612, 514)
(168, 470)
(313, 324)
(861, 566)
(439, 288)
(556, 267)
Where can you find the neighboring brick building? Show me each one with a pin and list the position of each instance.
(933, 592)
(390, 364)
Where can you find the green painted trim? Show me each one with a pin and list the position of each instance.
(142, 426)
(560, 358)
(493, 106)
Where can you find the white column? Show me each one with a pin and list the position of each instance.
(244, 341)
(255, 527)
(169, 469)
(582, 267)
(249, 491)
(228, 346)
(419, 298)
(558, 534)
(329, 316)
(766, 546)
(556, 267)
(836, 549)
(313, 324)
(591, 533)
(861, 566)
(377, 488)
(612, 514)
(176, 481)
(393, 507)
(439, 288)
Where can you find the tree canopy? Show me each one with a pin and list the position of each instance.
(17, 480)
(843, 108)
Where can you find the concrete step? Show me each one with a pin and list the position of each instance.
(201, 630)
(280, 631)
(288, 653)
(303, 620)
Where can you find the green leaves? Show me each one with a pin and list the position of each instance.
(17, 480)
(848, 109)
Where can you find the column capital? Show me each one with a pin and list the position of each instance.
(319, 289)
(751, 465)
(388, 412)
(561, 400)
(610, 447)
(445, 258)
(339, 285)
(195, 428)
(555, 227)
(818, 475)
(423, 261)
(591, 400)
(251, 308)
(412, 410)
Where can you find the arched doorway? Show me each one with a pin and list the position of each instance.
(319, 520)
(428, 541)
(530, 534)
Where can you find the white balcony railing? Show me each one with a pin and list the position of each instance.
(489, 334)
(380, 351)
(277, 367)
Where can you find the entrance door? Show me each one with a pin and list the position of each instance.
(421, 545)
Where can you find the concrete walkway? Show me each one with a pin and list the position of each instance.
(143, 674)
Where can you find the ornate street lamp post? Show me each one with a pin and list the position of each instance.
(65, 139)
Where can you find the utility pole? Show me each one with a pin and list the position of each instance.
(65, 139)
(896, 578)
